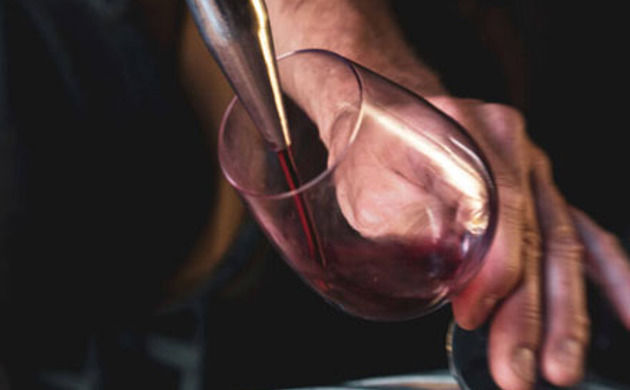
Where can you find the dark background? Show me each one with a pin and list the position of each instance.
(99, 228)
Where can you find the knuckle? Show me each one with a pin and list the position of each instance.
(530, 323)
(582, 323)
(532, 248)
(563, 241)
(581, 327)
(542, 162)
(531, 316)
(531, 239)
(511, 198)
(508, 113)
(510, 121)
(578, 329)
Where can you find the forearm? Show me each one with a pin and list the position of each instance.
(365, 31)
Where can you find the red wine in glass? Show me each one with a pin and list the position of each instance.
(379, 280)
(297, 194)
(289, 169)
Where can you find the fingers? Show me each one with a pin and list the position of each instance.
(550, 270)
(607, 263)
(501, 269)
(515, 332)
(566, 317)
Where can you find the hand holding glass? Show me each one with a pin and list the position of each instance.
(382, 203)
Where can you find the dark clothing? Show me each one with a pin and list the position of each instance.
(105, 178)
(109, 181)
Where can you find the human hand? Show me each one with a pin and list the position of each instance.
(531, 287)
(387, 188)
(532, 283)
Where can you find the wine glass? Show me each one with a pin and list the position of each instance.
(382, 203)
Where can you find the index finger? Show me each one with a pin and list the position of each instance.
(501, 269)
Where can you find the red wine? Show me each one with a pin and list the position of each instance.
(292, 178)
(387, 280)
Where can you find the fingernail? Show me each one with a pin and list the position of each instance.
(524, 364)
(569, 355)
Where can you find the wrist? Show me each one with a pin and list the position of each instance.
(364, 31)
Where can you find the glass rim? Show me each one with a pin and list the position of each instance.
(330, 168)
